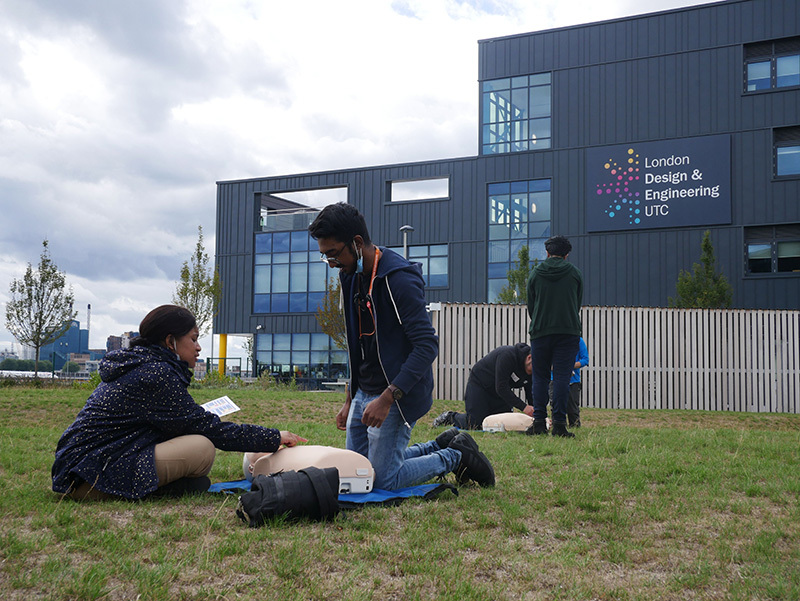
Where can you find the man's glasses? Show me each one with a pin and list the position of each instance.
(333, 260)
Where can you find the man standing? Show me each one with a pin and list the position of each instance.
(489, 388)
(555, 294)
(391, 346)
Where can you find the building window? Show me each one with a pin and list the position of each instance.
(516, 114)
(773, 249)
(433, 258)
(420, 189)
(308, 358)
(288, 276)
(519, 214)
(772, 65)
(786, 142)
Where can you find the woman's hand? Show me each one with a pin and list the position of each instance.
(289, 440)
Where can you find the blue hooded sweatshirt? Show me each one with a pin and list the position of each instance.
(407, 342)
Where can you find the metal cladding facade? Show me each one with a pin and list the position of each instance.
(670, 91)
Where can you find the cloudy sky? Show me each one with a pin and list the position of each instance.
(118, 117)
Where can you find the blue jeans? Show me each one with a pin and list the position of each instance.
(396, 464)
(556, 352)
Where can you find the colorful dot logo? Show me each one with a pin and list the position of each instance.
(619, 188)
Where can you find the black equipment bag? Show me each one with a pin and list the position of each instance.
(308, 493)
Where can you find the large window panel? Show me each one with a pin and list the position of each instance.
(519, 215)
(773, 249)
(789, 256)
(787, 71)
(516, 114)
(759, 76)
(287, 273)
(434, 261)
(759, 258)
(772, 65)
(788, 160)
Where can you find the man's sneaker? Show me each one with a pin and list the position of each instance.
(560, 429)
(538, 427)
(474, 465)
(445, 419)
(444, 439)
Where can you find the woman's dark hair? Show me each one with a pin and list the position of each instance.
(339, 221)
(163, 321)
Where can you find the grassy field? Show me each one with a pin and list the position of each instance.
(641, 505)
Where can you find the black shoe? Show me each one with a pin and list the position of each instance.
(560, 429)
(445, 419)
(537, 428)
(183, 486)
(474, 465)
(444, 439)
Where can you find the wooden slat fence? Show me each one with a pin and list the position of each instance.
(646, 358)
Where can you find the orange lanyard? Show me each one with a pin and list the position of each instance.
(368, 300)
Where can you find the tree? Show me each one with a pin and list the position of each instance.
(516, 291)
(199, 288)
(40, 309)
(70, 367)
(704, 288)
(330, 316)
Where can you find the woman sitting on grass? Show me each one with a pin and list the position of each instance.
(141, 433)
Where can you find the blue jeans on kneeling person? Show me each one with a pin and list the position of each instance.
(396, 464)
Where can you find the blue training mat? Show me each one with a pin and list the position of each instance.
(379, 496)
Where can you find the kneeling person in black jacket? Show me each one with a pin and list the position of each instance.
(489, 388)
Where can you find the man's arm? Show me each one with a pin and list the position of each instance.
(505, 366)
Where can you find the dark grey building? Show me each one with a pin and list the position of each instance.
(631, 137)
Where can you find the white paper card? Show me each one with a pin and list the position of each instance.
(221, 406)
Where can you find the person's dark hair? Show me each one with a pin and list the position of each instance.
(558, 246)
(340, 221)
(163, 321)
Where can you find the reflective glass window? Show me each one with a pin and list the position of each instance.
(261, 283)
(263, 243)
(519, 215)
(315, 300)
(516, 114)
(280, 278)
(298, 302)
(281, 242)
(434, 262)
(759, 258)
(280, 303)
(758, 76)
(787, 71)
(788, 160)
(789, 256)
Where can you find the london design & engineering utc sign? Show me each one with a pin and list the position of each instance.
(648, 185)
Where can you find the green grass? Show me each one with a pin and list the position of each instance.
(640, 505)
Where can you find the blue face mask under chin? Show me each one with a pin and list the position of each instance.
(359, 261)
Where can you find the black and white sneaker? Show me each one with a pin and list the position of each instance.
(445, 419)
(474, 465)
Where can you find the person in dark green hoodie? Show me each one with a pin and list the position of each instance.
(555, 294)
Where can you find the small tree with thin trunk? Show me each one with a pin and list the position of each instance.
(704, 288)
(199, 288)
(329, 314)
(515, 292)
(40, 309)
